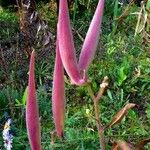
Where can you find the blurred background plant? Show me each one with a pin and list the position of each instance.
(143, 23)
(123, 57)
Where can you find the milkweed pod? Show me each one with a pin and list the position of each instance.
(58, 96)
(32, 114)
(92, 37)
(66, 45)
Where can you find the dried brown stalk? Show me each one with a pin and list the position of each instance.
(96, 99)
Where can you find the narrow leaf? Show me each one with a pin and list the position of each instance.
(120, 114)
(148, 5)
(18, 102)
(92, 37)
(58, 96)
(24, 98)
(32, 114)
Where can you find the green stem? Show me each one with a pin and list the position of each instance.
(74, 13)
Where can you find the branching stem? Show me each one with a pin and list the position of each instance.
(96, 99)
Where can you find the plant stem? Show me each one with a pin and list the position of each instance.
(97, 111)
(75, 11)
(53, 135)
(99, 126)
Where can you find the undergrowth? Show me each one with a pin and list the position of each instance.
(121, 56)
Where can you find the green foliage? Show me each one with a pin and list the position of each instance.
(22, 102)
(43, 70)
(148, 4)
(123, 58)
(8, 95)
(47, 12)
(148, 112)
(9, 24)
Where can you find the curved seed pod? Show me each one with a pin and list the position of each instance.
(92, 37)
(66, 45)
(58, 97)
(32, 114)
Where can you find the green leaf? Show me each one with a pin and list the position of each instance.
(121, 95)
(121, 75)
(110, 95)
(148, 5)
(24, 98)
(148, 111)
(18, 102)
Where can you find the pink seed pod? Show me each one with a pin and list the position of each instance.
(32, 114)
(58, 96)
(66, 45)
(92, 37)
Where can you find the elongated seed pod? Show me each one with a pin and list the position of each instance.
(58, 96)
(66, 45)
(32, 114)
(92, 37)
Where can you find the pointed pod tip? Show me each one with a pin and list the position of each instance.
(32, 49)
(33, 52)
(32, 60)
(130, 105)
